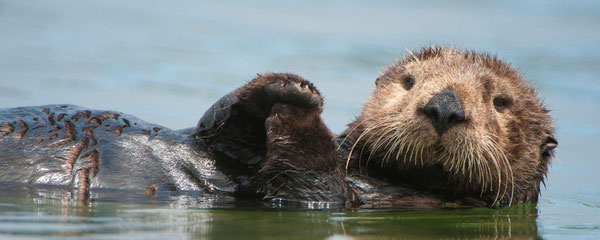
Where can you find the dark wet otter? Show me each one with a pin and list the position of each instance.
(89, 149)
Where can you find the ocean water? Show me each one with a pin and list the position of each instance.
(166, 62)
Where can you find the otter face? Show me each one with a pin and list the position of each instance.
(466, 114)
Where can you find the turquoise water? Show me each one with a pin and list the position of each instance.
(167, 62)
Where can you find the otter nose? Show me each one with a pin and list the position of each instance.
(444, 110)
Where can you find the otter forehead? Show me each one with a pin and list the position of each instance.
(459, 60)
(475, 77)
(453, 65)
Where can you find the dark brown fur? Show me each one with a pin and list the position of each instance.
(300, 162)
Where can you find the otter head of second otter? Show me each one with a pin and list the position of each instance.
(458, 122)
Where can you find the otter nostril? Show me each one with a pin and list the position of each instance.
(456, 118)
(444, 110)
(431, 111)
(456, 114)
(451, 119)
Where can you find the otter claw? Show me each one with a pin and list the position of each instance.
(301, 94)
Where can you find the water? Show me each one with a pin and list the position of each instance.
(167, 62)
(182, 217)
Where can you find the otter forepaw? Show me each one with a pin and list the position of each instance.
(294, 91)
(287, 115)
(260, 94)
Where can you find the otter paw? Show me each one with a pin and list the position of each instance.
(259, 95)
(288, 120)
(294, 91)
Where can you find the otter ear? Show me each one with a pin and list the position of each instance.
(549, 144)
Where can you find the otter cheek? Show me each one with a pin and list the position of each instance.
(395, 104)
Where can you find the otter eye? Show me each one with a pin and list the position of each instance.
(502, 102)
(408, 82)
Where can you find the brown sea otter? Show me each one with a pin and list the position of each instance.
(443, 126)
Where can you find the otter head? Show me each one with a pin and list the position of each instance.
(458, 122)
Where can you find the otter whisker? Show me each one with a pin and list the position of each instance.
(352, 150)
(405, 148)
(502, 156)
(486, 158)
(396, 146)
(465, 156)
(399, 144)
(408, 150)
(414, 152)
(363, 134)
(494, 158)
(421, 148)
(376, 129)
(391, 140)
(486, 169)
(383, 130)
(499, 176)
(383, 138)
(358, 123)
(479, 161)
(387, 140)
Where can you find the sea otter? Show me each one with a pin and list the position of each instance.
(443, 127)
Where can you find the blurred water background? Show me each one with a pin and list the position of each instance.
(167, 61)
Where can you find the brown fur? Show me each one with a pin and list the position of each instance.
(300, 162)
(499, 154)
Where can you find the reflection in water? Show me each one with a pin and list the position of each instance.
(142, 217)
(516, 221)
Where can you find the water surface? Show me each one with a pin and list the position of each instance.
(167, 62)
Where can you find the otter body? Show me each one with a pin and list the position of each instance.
(442, 126)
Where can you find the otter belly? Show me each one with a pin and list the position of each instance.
(86, 149)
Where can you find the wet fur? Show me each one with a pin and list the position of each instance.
(300, 164)
(499, 156)
(85, 149)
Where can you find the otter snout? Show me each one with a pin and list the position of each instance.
(444, 110)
